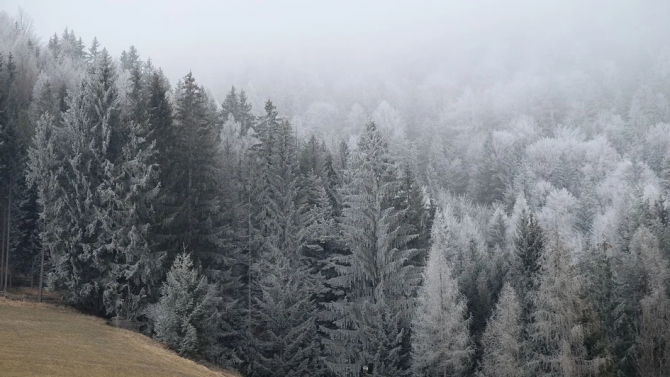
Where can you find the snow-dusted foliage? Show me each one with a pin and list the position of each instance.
(185, 317)
(501, 342)
(505, 215)
(441, 344)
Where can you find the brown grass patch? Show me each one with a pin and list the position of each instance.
(44, 340)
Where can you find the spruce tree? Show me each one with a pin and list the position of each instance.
(45, 166)
(286, 320)
(441, 343)
(558, 333)
(131, 191)
(246, 117)
(230, 106)
(528, 249)
(652, 353)
(92, 141)
(191, 179)
(501, 341)
(377, 271)
(186, 316)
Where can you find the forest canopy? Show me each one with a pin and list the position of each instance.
(513, 223)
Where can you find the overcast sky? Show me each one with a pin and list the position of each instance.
(212, 37)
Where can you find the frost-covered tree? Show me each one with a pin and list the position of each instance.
(653, 349)
(558, 332)
(441, 344)
(45, 165)
(496, 169)
(130, 195)
(501, 341)
(653, 338)
(191, 177)
(91, 140)
(186, 316)
(285, 319)
(376, 272)
(529, 243)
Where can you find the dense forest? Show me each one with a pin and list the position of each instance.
(516, 225)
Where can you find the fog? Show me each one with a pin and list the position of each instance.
(470, 188)
(231, 42)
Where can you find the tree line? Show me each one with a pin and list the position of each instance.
(539, 248)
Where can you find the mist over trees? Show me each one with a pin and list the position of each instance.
(512, 224)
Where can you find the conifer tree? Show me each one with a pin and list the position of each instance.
(441, 344)
(246, 117)
(558, 331)
(45, 166)
(131, 192)
(528, 249)
(652, 356)
(230, 106)
(186, 316)
(92, 141)
(285, 318)
(501, 341)
(190, 178)
(377, 272)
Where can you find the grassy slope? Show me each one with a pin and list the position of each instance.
(44, 340)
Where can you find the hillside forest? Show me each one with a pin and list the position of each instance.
(511, 224)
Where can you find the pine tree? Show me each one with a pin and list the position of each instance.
(287, 236)
(12, 161)
(91, 142)
(558, 331)
(665, 173)
(653, 350)
(230, 106)
(186, 316)
(502, 339)
(285, 319)
(131, 191)
(163, 137)
(495, 171)
(45, 166)
(598, 285)
(191, 179)
(246, 118)
(378, 270)
(528, 249)
(652, 356)
(93, 52)
(441, 343)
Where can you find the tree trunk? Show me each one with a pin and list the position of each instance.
(9, 213)
(41, 272)
(2, 252)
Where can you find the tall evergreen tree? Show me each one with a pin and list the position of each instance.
(190, 178)
(286, 321)
(186, 316)
(441, 342)
(92, 141)
(652, 354)
(558, 331)
(502, 339)
(377, 271)
(528, 249)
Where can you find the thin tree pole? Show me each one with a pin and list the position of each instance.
(2, 251)
(250, 259)
(9, 213)
(41, 272)
(249, 340)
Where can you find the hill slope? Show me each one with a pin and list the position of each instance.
(41, 340)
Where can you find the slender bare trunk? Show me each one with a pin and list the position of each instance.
(41, 272)
(2, 251)
(9, 213)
